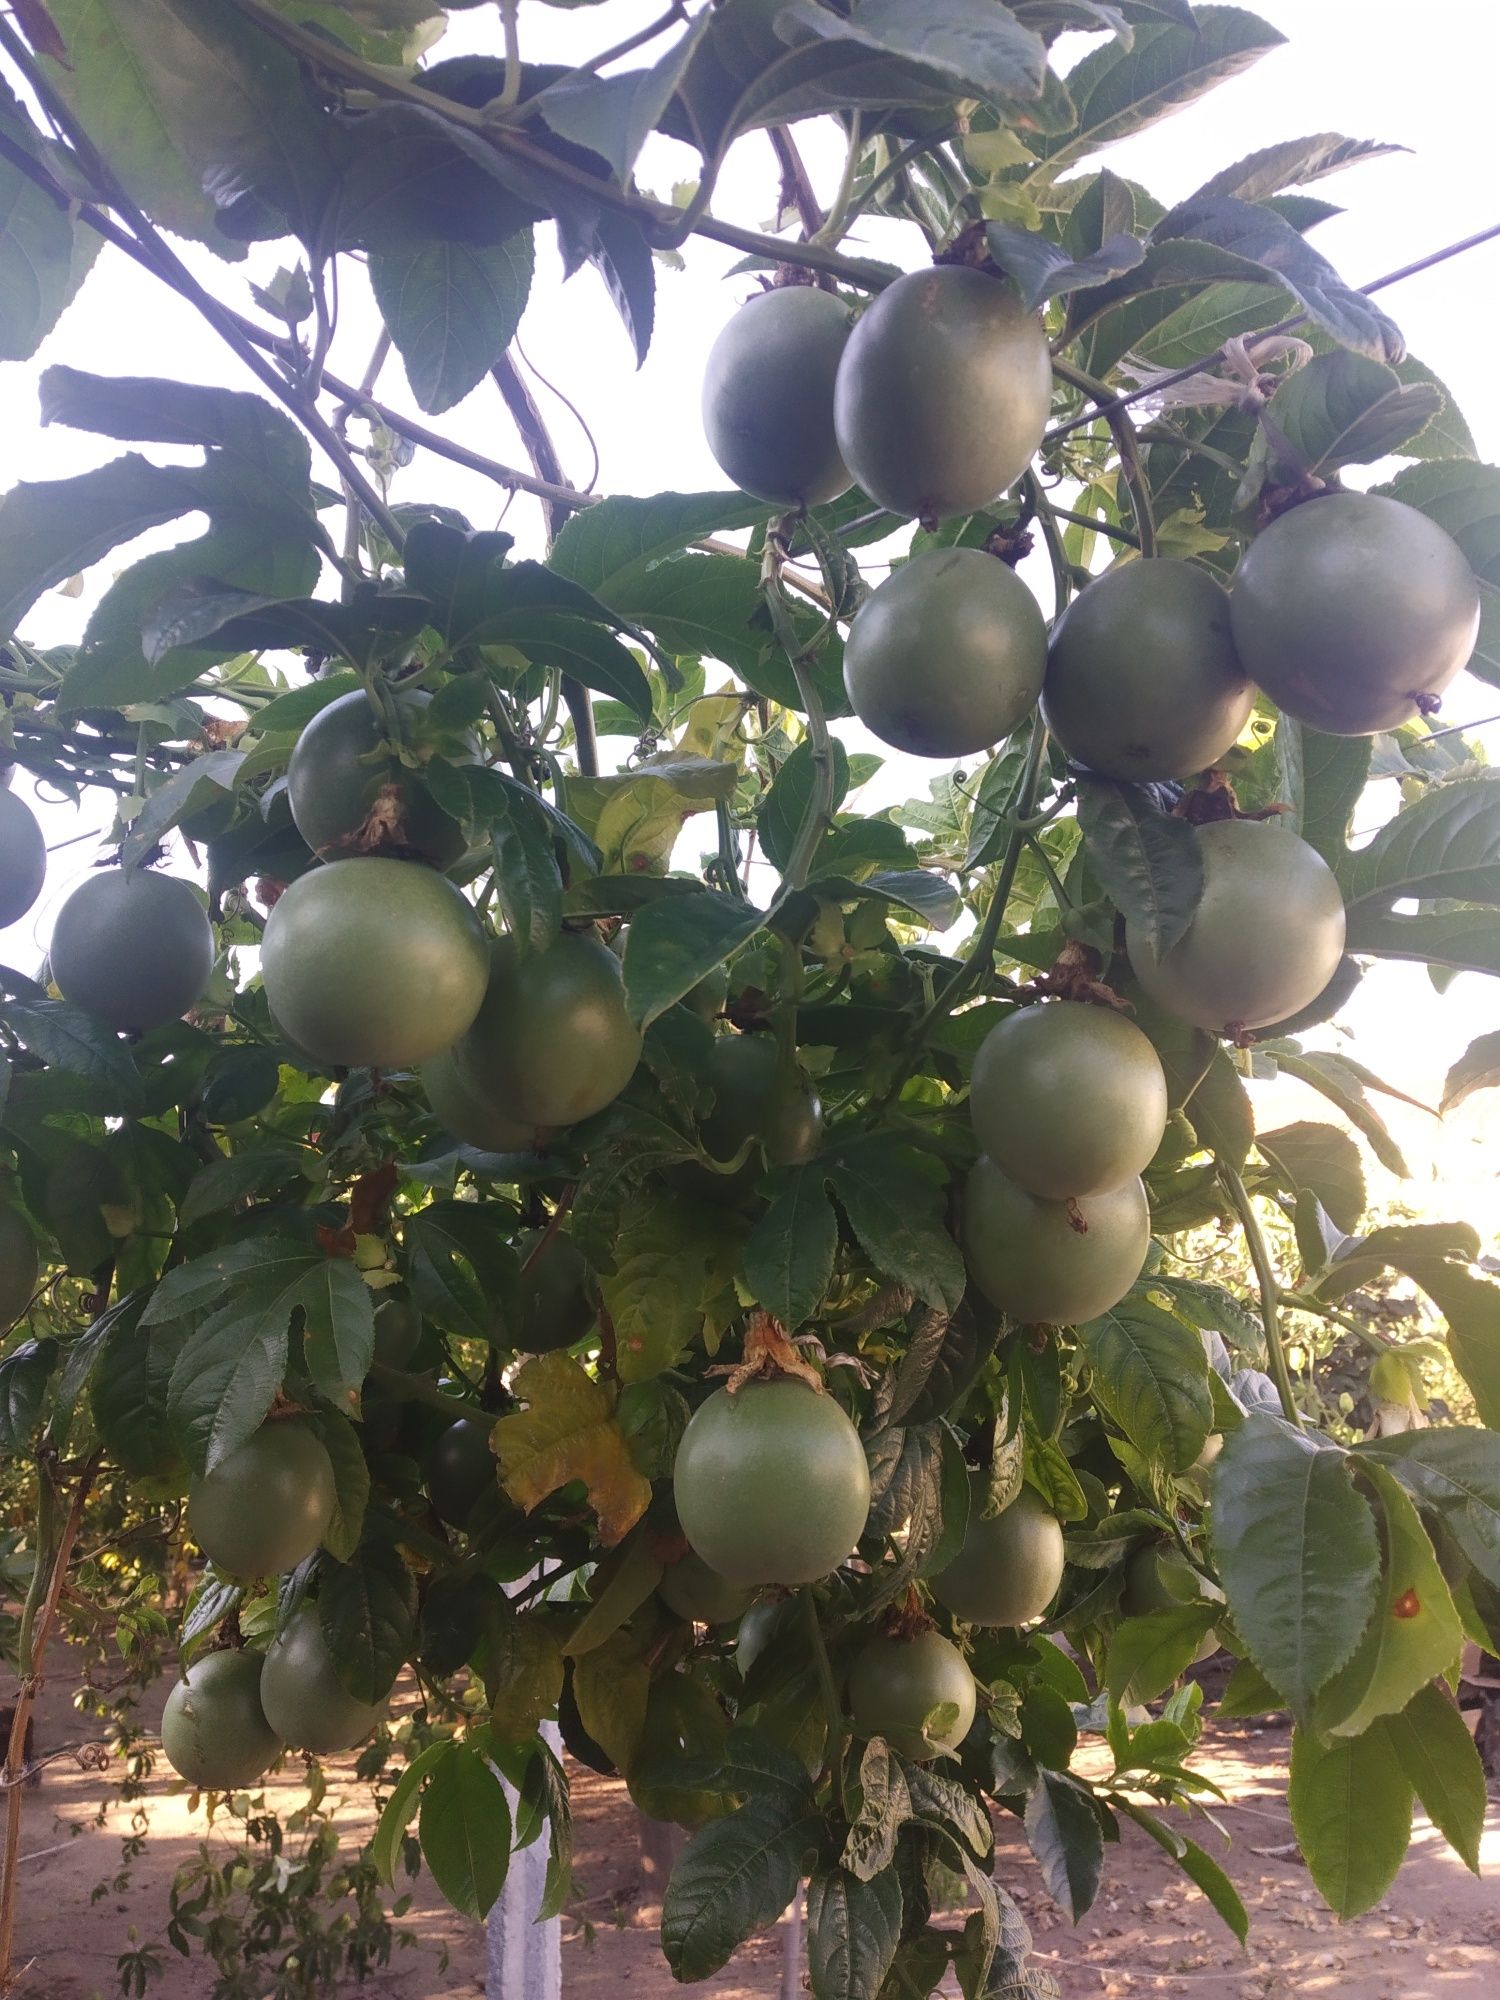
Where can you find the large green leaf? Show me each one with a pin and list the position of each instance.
(451, 309)
(1147, 1654)
(1478, 1068)
(1291, 163)
(608, 547)
(338, 1329)
(784, 808)
(896, 1211)
(1297, 1551)
(1351, 1812)
(1148, 862)
(1345, 409)
(44, 255)
(1456, 1472)
(1151, 1378)
(1063, 1830)
(368, 1607)
(1445, 845)
(788, 1258)
(1320, 1160)
(1343, 1083)
(465, 1830)
(853, 1928)
(1465, 937)
(674, 943)
(734, 1877)
(69, 1039)
(614, 116)
(1435, 1749)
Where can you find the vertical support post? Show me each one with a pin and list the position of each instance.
(791, 1949)
(523, 1959)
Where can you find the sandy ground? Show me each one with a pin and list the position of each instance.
(1437, 1937)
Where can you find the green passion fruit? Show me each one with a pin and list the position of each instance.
(1052, 1263)
(749, 1103)
(1354, 612)
(771, 1483)
(374, 963)
(19, 1267)
(23, 859)
(398, 1332)
(768, 396)
(134, 949)
(213, 1728)
(350, 794)
(947, 655)
(461, 1469)
(1143, 680)
(552, 1042)
(557, 1303)
(304, 1700)
(696, 1592)
(1009, 1567)
(1265, 940)
(1160, 1578)
(466, 1115)
(943, 393)
(267, 1505)
(896, 1684)
(1069, 1098)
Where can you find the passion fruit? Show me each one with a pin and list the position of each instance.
(1265, 940)
(1143, 680)
(557, 1304)
(350, 794)
(1052, 1263)
(19, 1267)
(896, 1684)
(304, 1700)
(1009, 1567)
(696, 1592)
(771, 1483)
(398, 1332)
(213, 1728)
(134, 949)
(373, 963)
(943, 393)
(947, 656)
(552, 1042)
(1070, 1099)
(461, 1469)
(768, 396)
(23, 859)
(1354, 612)
(468, 1116)
(1160, 1578)
(743, 1071)
(267, 1505)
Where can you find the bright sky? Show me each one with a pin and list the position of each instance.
(1360, 67)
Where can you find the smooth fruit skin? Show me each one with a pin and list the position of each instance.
(895, 1684)
(1009, 1567)
(1069, 1098)
(337, 773)
(267, 1505)
(552, 1042)
(943, 393)
(1266, 938)
(1349, 607)
(771, 1483)
(557, 1307)
(304, 1700)
(468, 1116)
(213, 1728)
(696, 1592)
(1162, 1579)
(947, 655)
(748, 1104)
(1143, 680)
(398, 1330)
(18, 1267)
(461, 1469)
(768, 396)
(134, 950)
(373, 963)
(1030, 1259)
(23, 859)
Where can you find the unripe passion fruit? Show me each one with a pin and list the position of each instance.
(135, 950)
(1353, 612)
(694, 1591)
(552, 1042)
(1143, 680)
(1069, 1099)
(339, 775)
(768, 396)
(749, 1102)
(947, 655)
(373, 962)
(1160, 1578)
(1052, 1263)
(304, 1700)
(265, 1506)
(398, 1331)
(1009, 1567)
(23, 859)
(771, 1483)
(18, 1267)
(1265, 939)
(213, 1728)
(557, 1306)
(468, 1116)
(943, 393)
(894, 1686)
(461, 1469)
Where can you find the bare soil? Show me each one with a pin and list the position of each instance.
(1436, 1937)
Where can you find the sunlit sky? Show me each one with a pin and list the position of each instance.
(1366, 68)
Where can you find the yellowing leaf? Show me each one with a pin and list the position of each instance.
(711, 726)
(635, 817)
(568, 1431)
(670, 1262)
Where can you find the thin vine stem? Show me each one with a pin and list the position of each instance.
(1122, 430)
(833, 1708)
(1269, 1288)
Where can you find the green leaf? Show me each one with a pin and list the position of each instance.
(1456, 1472)
(614, 116)
(339, 1329)
(24, 1375)
(351, 1482)
(385, 1846)
(1478, 1068)
(734, 1878)
(1220, 1111)
(1042, 269)
(1150, 1375)
(1146, 1655)
(1467, 939)
(292, 711)
(1436, 1752)
(463, 1272)
(44, 258)
(1063, 1831)
(189, 789)
(67, 1038)
(784, 809)
(1292, 163)
(1330, 774)
(674, 943)
(788, 1257)
(1297, 1553)
(1345, 409)
(666, 1259)
(569, 1431)
(1351, 1812)
(232, 1363)
(1322, 1160)
(853, 1928)
(1342, 1083)
(128, 1397)
(452, 309)
(1445, 845)
(1149, 863)
(1200, 1868)
(884, 1807)
(896, 1212)
(523, 1674)
(51, 529)
(368, 1610)
(465, 1830)
(981, 48)
(583, 649)
(612, 1687)
(610, 546)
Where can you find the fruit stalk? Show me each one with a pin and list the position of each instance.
(1268, 1288)
(832, 1706)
